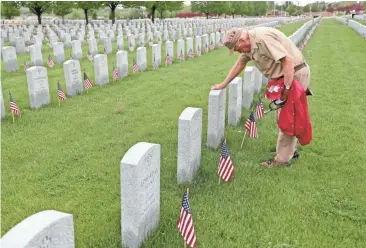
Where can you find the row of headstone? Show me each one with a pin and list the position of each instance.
(300, 34)
(358, 27)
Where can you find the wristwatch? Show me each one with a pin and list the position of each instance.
(287, 87)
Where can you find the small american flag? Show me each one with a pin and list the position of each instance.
(115, 73)
(226, 168)
(220, 42)
(61, 94)
(168, 59)
(251, 126)
(88, 84)
(206, 47)
(260, 110)
(212, 45)
(154, 64)
(185, 223)
(181, 55)
(90, 57)
(135, 66)
(13, 106)
(198, 51)
(50, 62)
(25, 65)
(190, 53)
(105, 51)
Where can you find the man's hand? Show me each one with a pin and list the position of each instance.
(217, 87)
(284, 95)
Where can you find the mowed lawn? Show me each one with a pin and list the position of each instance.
(68, 158)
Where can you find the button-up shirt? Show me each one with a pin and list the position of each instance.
(268, 47)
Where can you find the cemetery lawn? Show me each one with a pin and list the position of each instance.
(68, 158)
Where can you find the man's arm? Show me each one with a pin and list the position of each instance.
(288, 65)
(234, 72)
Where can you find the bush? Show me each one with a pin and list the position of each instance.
(188, 14)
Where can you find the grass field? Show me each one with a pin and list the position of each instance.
(68, 158)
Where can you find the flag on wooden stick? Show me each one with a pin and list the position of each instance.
(185, 223)
(226, 168)
(13, 106)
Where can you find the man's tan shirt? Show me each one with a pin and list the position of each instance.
(268, 47)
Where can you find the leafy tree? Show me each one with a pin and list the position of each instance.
(205, 7)
(37, 8)
(291, 9)
(260, 8)
(88, 6)
(8, 10)
(62, 8)
(112, 5)
(220, 8)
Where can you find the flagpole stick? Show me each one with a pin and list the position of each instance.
(243, 139)
(185, 244)
(13, 116)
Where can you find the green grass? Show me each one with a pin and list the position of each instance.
(68, 158)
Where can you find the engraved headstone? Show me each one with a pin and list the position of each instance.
(107, 43)
(38, 88)
(59, 52)
(235, 101)
(36, 55)
(169, 48)
(140, 193)
(180, 48)
(10, 59)
(189, 144)
(20, 45)
(247, 98)
(120, 43)
(141, 58)
(72, 73)
(216, 118)
(122, 63)
(77, 52)
(46, 229)
(93, 48)
(156, 54)
(190, 50)
(198, 46)
(101, 69)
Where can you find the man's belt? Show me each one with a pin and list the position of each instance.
(300, 66)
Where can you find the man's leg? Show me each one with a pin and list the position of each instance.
(286, 146)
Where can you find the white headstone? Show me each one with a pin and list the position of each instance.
(72, 73)
(10, 59)
(190, 50)
(36, 55)
(131, 42)
(235, 101)
(216, 118)
(77, 52)
(169, 50)
(217, 38)
(93, 48)
(141, 58)
(205, 43)
(198, 46)
(140, 193)
(180, 48)
(122, 63)
(247, 98)
(120, 43)
(107, 44)
(59, 52)
(38, 88)
(101, 69)
(189, 144)
(44, 229)
(20, 45)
